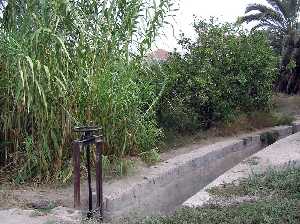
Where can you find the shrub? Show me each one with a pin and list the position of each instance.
(224, 72)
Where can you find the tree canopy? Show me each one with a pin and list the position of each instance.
(280, 18)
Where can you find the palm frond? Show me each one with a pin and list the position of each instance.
(266, 12)
(280, 7)
(278, 14)
(261, 17)
(270, 26)
(277, 18)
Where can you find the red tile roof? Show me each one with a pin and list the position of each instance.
(160, 55)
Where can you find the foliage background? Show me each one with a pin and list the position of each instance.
(65, 63)
(224, 72)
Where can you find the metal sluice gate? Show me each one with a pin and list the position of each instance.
(88, 138)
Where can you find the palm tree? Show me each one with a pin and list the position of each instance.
(280, 19)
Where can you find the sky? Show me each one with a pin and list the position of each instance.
(225, 10)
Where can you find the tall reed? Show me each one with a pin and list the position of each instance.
(65, 63)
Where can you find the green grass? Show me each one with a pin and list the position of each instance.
(279, 211)
(283, 184)
(279, 202)
(150, 157)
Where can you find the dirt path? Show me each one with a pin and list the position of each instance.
(59, 215)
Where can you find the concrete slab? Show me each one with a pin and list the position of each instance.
(277, 155)
(164, 187)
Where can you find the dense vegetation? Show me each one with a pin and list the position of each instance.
(278, 202)
(65, 63)
(280, 19)
(224, 73)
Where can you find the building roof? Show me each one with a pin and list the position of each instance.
(159, 55)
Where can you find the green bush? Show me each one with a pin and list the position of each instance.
(223, 72)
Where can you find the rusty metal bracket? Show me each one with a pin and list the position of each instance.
(87, 139)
